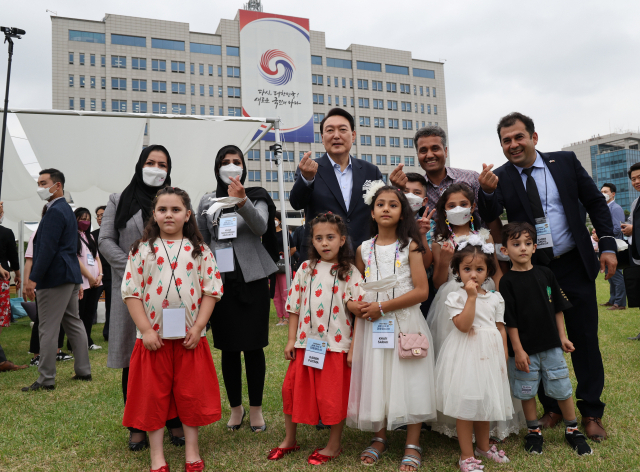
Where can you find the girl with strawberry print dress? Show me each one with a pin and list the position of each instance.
(170, 287)
(323, 293)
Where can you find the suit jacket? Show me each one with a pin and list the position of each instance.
(8, 250)
(324, 195)
(55, 248)
(576, 189)
(114, 245)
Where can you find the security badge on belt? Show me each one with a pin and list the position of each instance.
(314, 353)
(543, 231)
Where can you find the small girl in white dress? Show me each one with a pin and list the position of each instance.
(388, 391)
(472, 384)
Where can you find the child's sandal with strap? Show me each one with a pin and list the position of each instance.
(372, 453)
(412, 460)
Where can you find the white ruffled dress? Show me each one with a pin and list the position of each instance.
(387, 391)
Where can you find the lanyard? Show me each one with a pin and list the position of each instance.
(173, 274)
(311, 296)
(396, 263)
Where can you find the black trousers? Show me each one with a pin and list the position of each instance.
(3, 357)
(582, 330)
(173, 423)
(106, 288)
(86, 309)
(34, 343)
(256, 368)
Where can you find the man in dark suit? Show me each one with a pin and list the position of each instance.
(334, 181)
(549, 191)
(56, 276)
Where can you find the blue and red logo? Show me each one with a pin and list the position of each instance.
(281, 75)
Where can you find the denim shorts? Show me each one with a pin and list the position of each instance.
(555, 376)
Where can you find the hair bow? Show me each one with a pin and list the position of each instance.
(370, 188)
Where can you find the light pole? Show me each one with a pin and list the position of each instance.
(9, 33)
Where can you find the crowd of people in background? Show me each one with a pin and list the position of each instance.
(411, 305)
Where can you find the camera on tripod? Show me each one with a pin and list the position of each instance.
(12, 32)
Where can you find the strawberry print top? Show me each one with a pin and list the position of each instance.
(148, 273)
(310, 298)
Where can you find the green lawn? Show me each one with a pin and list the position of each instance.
(78, 426)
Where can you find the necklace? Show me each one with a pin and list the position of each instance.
(367, 271)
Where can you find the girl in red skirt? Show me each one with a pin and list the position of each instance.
(323, 292)
(171, 286)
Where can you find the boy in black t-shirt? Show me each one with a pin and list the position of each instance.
(535, 323)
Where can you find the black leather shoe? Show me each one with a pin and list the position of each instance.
(138, 446)
(85, 378)
(175, 440)
(38, 386)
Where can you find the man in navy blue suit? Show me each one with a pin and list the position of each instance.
(551, 191)
(334, 181)
(56, 277)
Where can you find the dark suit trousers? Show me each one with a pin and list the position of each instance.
(582, 330)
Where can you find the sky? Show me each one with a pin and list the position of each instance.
(571, 65)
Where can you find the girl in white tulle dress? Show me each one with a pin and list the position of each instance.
(388, 391)
(472, 384)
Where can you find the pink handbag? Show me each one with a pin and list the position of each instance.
(412, 346)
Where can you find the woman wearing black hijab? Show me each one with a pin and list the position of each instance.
(122, 224)
(240, 320)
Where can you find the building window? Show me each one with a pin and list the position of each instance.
(319, 155)
(365, 140)
(394, 142)
(212, 111)
(378, 122)
(409, 161)
(287, 156)
(159, 108)
(70, 103)
(393, 123)
(82, 81)
(235, 111)
(253, 155)
(275, 195)
(103, 105)
(344, 83)
(233, 92)
(206, 48)
(138, 85)
(363, 102)
(288, 176)
(93, 104)
(233, 71)
(192, 68)
(378, 104)
(365, 121)
(405, 88)
(316, 60)
(92, 60)
(159, 65)
(385, 177)
(220, 91)
(415, 90)
(391, 87)
(159, 86)
(389, 69)
(70, 80)
(103, 61)
(318, 99)
(316, 79)
(119, 106)
(435, 109)
(254, 176)
(366, 157)
(392, 105)
(82, 102)
(341, 63)
(211, 90)
(408, 142)
(416, 107)
(167, 44)
(372, 66)
(103, 83)
(219, 71)
(119, 62)
(376, 85)
(316, 138)
(424, 73)
(318, 117)
(344, 101)
(407, 124)
(125, 40)
(394, 160)
(138, 63)
(193, 109)
(406, 106)
(233, 51)
(423, 124)
(118, 84)
(352, 102)
(335, 82)
(272, 175)
(211, 70)
(178, 108)
(422, 108)
(202, 92)
(268, 155)
(363, 84)
(381, 141)
(201, 69)
(193, 89)
(421, 90)
(434, 91)
(381, 160)
(139, 107)
(81, 58)
(220, 111)
(428, 109)
(179, 87)
(86, 37)
(350, 83)
(177, 67)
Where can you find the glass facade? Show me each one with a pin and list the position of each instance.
(206, 49)
(372, 66)
(125, 40)
(341, 63)
(389, 69)
(167, 44)
(610, 164)
(233, 51)
(317, 60)
(424, 73)
(86, 37)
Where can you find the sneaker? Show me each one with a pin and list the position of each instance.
(35, 362)
(577, 441)
(497, 456)
(94, 347)
(533, 441)
(63, 356)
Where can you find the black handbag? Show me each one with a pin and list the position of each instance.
(632, 285)
(280, 264)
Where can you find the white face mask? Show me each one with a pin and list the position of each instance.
(153, 176)
(415, 201)
(458, 216)
(230, 170)
(607, 196)
(44, 193)
(277, 223)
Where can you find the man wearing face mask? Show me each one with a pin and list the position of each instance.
(56, 275)
(334, 181)
(123, 223)
(617, 292)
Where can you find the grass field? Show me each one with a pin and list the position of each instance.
(78, 426)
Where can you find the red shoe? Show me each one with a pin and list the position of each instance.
(278, 453)
(194, 466)
(164, 468)
(318, 459)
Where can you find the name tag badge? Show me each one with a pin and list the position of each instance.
(174, 321)
(224, 257)
(314, 353)
(90, 260)
(383, 334)
(228, 227)
(544, 233)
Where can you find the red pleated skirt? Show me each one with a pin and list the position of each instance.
(309, 394)
(172, 381)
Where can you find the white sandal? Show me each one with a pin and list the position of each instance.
(372, 453)
(411, 459)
